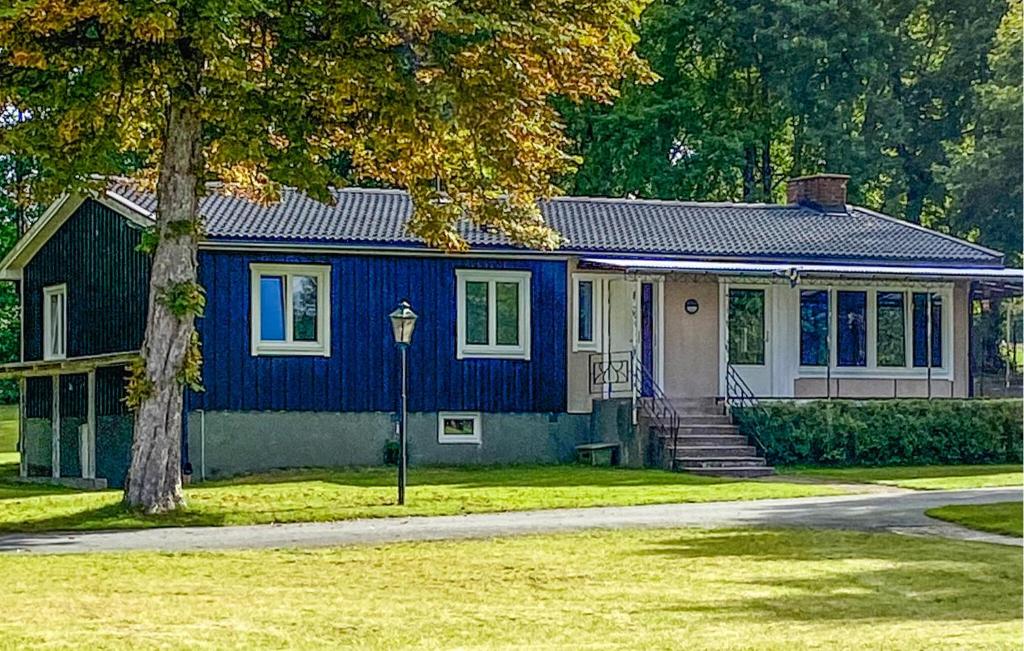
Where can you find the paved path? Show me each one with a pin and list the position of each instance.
(901, 512)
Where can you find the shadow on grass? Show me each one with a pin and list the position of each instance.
(526, 476)
(908, 579)
(106, 518)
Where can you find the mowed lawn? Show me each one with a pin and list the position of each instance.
(8, 434)
(1003, 517)
(314, 495)
(647, 589)
(921, 477)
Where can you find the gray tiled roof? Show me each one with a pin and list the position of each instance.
(363, 217)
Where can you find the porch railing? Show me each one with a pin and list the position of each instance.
(621, 372)
(739, 394)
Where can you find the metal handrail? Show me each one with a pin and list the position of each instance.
(656, 405)
(622, 371)
(739, 394)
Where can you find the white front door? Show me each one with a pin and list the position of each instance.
(748, 342)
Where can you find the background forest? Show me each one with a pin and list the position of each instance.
(919, 101)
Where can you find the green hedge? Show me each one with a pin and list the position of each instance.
(886, 432)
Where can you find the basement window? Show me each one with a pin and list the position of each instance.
(290, 309)
(458, 427)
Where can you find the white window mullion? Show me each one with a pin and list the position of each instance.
(492, 313)
(871, 334)
(289, 336)
(908, 330)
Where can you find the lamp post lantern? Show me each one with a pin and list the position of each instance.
(403, 322)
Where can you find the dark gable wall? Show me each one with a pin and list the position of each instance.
(362, 372)
(94, 252)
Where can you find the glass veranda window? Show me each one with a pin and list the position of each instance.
(746, 326)
(921, 329)
(851, 328)
(890, 321)
(814, 327)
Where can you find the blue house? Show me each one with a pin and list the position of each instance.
(640, 331)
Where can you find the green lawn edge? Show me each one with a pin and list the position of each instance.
(327, 495)
(1006, 518)
(944, 477)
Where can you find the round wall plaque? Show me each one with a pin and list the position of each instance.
(692, 306)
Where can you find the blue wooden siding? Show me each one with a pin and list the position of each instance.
(94, 252)
(361, 373)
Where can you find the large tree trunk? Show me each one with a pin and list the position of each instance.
(749, 165)
(154, 480)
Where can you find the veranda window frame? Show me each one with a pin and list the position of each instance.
(872, 369)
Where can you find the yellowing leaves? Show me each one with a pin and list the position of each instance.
(154, 27)
(26, 59)
(449, 100)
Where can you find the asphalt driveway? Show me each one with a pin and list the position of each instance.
(898, 511)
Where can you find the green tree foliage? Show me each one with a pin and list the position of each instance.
(449, 100)
(18, 209)
(753, 92)
(984, 175)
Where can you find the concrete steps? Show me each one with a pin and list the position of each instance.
(739, 472)
(708, 442)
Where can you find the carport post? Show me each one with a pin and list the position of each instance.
(55, 426)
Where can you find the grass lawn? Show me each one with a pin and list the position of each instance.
(647, 589)
(8, 434)
(920, 477)
(340, 494)
(1003, 517)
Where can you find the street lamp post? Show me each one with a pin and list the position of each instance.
(403, 322)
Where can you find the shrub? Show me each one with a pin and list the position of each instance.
(886, 432)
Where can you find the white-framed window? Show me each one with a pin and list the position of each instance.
(55, 322)
(493, 314)
(458, 427)
(291, 312)
(587, 294)
(881, 330)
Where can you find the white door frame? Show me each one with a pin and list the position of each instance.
(760, 378)
(609, 309)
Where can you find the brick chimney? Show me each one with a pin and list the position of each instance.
(820, 191)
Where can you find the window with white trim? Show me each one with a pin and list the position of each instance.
(493, 317)
(586, 318)
(55, 322)
(458, 427)
(880, 330)
(290, 309)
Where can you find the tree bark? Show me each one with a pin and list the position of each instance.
(154, 479)
(749, 164)
(767, 175)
